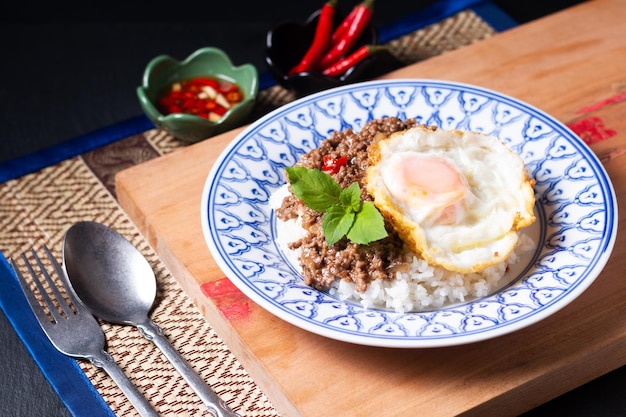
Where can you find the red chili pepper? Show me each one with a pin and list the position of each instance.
(343, 26)
(360, 20)
(340, 67)
(320, 40)
(332, 165)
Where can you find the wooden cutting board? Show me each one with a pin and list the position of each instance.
(571, 65)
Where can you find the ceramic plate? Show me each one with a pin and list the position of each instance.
(575, 207)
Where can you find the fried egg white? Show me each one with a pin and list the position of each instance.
(456, 198)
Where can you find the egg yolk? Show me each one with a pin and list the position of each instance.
(429, 186)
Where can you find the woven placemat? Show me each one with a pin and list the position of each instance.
(38, 208)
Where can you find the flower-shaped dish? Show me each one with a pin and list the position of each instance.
(288, 41)
(162, 71)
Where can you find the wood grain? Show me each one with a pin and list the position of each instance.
(561, 64)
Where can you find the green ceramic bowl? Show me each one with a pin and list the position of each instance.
(164, 70)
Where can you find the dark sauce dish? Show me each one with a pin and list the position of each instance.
(288, 41)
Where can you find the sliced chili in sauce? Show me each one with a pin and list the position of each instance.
(206, 97)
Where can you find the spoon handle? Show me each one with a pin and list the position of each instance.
(214, 403)
(105, 361)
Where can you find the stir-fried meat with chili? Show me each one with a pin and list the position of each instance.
(344, 156)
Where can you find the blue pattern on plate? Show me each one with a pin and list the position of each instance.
(576, 210)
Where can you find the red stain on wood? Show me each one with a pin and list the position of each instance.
(612, 154)
(603, 103)
(591, 130)
(231, 302)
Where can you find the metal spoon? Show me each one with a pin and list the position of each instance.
(117, 284)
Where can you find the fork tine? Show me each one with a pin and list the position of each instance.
(54, 312)
(57, 294)
(28, 293)
(69, 290)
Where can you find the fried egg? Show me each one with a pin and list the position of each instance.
(457, 198)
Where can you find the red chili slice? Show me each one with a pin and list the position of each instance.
(233, 96)
(205, 81)
(332, 165)
(226, 88)
(189, 96)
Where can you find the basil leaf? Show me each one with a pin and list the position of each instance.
(336, 223)
(344, 214)
(318, 190)
(368, 225)
(351, 197)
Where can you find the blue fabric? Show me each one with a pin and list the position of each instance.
(65, 375)
(442, 9)
(266, 81)
(19, 167)
(496, 17)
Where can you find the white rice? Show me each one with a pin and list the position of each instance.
(421, 287)
(425, 287)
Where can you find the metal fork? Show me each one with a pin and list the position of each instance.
(72, 329)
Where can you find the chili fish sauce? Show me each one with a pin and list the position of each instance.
(206, 97)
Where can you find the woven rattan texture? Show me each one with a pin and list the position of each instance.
(38, 208)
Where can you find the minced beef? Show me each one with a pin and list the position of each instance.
(361, 264)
